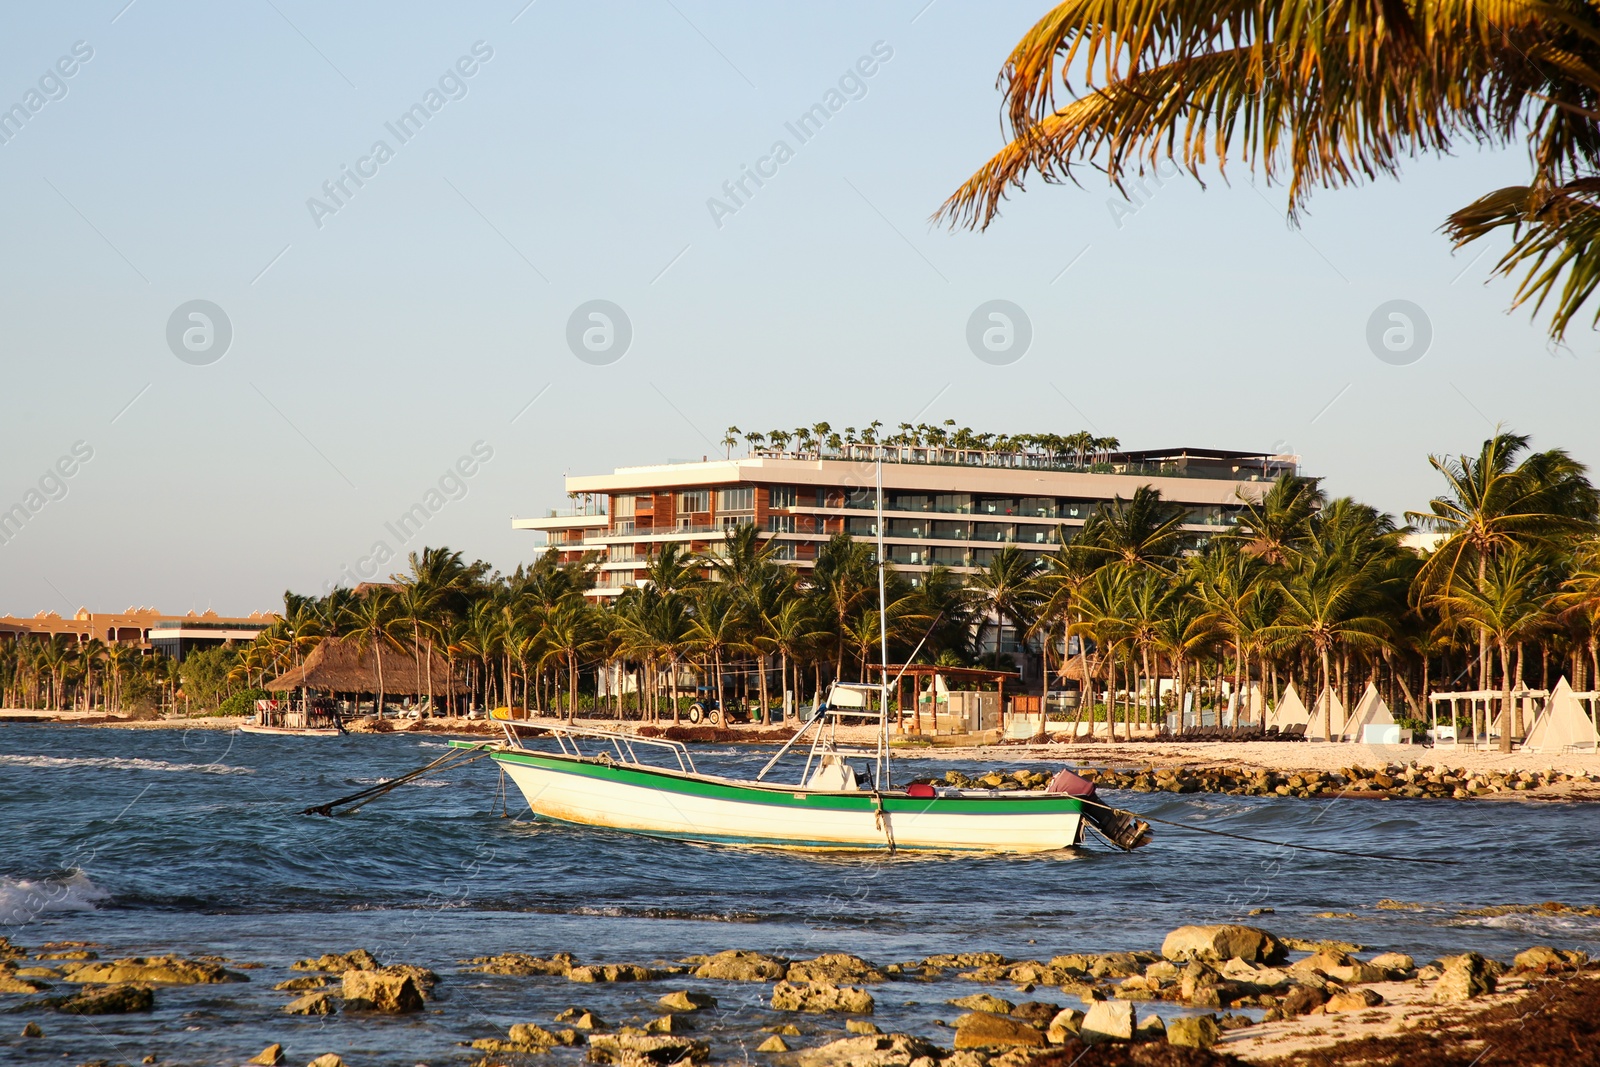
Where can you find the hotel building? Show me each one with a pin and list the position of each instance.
(942, 506)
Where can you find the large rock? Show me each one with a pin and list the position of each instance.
(1464, 978)
(739, 965)
(980, 1029)
(1108, 1020)
(612, 972)
(338, 963)
(327, 1059)
(1066, 1023)
(872, 1050)
(984, 1002)
(685, 1000)
(634, 1048)
(312, 1004)
(270, 1056)
(835, 967)
(1035, 1012)
(520, 963)
(1223, 942)
(10, 983)
(532, 1034)
(159, 970)
(1395, 965)
(392, 994)
(111, 1000)
(310, 983)
(821, 997)
(1352, 1000)
(1193, 1031)
(1543, 959)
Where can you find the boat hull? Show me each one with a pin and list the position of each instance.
(290, 731)
(703, 808)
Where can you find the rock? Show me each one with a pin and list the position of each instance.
(74, 954)
(983, 1002)
(684, 1000)
(32, 1030)
(1193, 1031)
(1218, 943)
(1035, 1013)
(1108, 1020)
(666, 1024)
(160, 970)
(538, 1037)
(1066, 1023)
(631, 1049)
(1541, 959)
(392, 994)
(1150, 1028)
(861, 1026)
(1352, 1000)
(1394, 964)
(519, 963)
(109, 1000)
(821, 997)
(872, 1050)
(424, 978)
(311, 1004)
(773, 1044)
(612, 972)
(980, 1029)
(1464, 978)
(589, 1021)
(8, 951)
(739, 965)
(303, 985)
(327, 1059)
(270, 1056)
(12, 984)
(835, 967)
(966, 959)
(1302, 1000)
(359, 960)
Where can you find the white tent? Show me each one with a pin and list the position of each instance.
(1563, 725)
(1316, 730)
(1291, 711)
(1371, 710)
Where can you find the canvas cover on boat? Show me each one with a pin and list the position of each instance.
(1563, 724)
(1291, 711)
(1317, 728)
(1371, 710)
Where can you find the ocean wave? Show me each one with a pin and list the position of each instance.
(23, 900)
(120, 763)
(429, 784)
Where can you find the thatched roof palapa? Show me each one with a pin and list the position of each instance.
(338, 665)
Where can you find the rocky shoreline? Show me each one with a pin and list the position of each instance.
(1228, 993)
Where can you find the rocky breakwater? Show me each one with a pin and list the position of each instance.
(1409, 781)
(363, 984)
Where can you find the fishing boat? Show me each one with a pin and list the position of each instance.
(843, 799)
(309, 718)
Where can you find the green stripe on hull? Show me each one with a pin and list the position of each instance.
(792, 797)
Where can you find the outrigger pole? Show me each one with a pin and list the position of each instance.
(885, 777)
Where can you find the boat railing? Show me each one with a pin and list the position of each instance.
(621, 743)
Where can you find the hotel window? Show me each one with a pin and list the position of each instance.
(954, 503)
(622, 507)
(693, 501)
(997, 505)
(621, 554)
(782, 496)
(1040, 507)
(622, 526)
(780, 523)
(739, 498)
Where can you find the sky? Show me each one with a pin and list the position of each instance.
(375, 321)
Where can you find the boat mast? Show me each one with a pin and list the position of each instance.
(883, 647)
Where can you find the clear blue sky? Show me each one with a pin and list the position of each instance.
(576, 162)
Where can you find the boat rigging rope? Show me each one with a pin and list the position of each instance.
(450, 760)
(1280, 844)
(881, 817)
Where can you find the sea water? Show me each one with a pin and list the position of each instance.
(191, 842)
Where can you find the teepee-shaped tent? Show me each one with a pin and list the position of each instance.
(1562, 725)
(1291, 711)
(1317, 729)
(1370, 711)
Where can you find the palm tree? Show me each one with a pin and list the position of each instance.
(1274, 528)
(718, 629)
(1142, 531)
(374, 619)
(570, 633)
(1320, 95)
(1007, 590)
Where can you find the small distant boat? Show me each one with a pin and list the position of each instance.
(315, 718)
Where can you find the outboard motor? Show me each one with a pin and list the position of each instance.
(1122, 828)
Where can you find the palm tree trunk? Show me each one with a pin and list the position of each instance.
(1505, 709)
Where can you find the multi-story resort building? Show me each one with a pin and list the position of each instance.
(942, 506)
(174, 635)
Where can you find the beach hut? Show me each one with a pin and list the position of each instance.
(1317, 728)
(1563, 725)
(1373, 723)
(340, 665)
(1291, 711)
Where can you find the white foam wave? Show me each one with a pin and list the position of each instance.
(23, 900)
(120, 763)
(433, 784)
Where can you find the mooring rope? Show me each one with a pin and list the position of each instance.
(457, 758)
(882, 819)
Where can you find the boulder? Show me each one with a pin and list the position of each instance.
(422, 976)
(327, 1059)
(983, 1002)
(635, 1048)
(966, 959)
(1150, 1028)
(270, 1056)
(684, 1000)
(539, 1037)
(1222, 942)
(1066, 1023)
(861, 1026)
(667, 1024)
(1035, 1012)
(872, 1050)
(773, 1044)
(588, 1021)
(1352, 1000)
(32, 1030)
(821, 997)
(1541, 959)
(520, 963)
(1394, 964)
(8, 951)
(159, 970)
(612, 972)
(359, 960)
(1464, 978)
(392, 994)
(1193, 1031)
(311, 1004)
(1302, 1000)
(110, 1000)
(835, 967)
(303, 985)
(980, 1029)
(12, 984)
(739, 965)
(1108, 1020)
